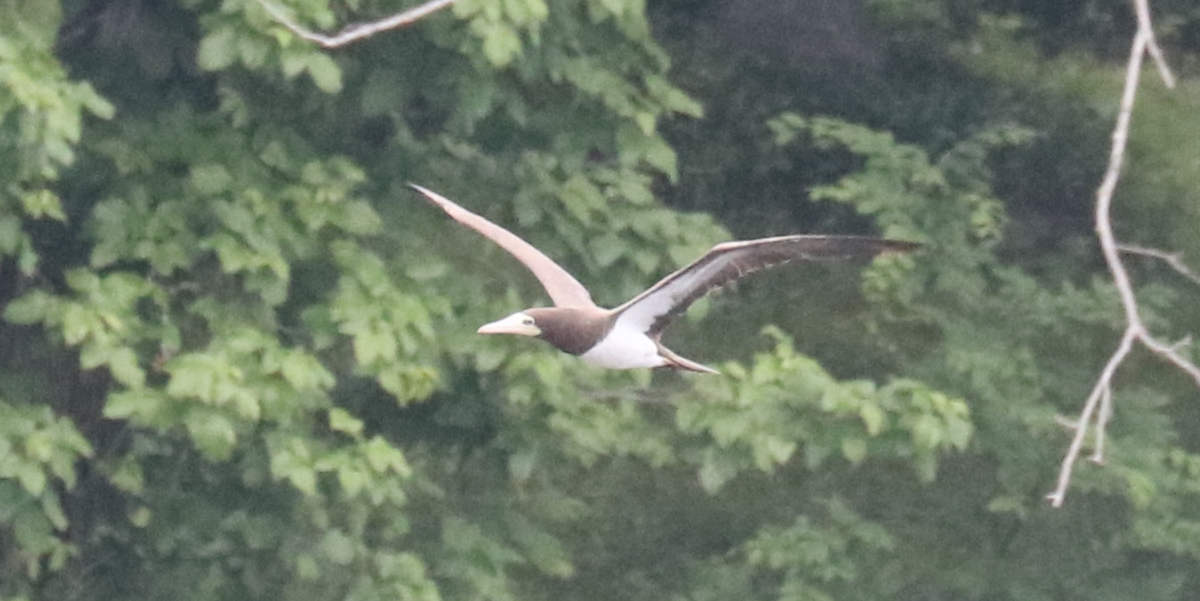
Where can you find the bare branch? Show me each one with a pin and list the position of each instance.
(1066, 423)
(353, 33)
(1102, 419)
(1175, 260)
(1142, 8)
(1170, 352)
(1099, 402)
(1089, 408)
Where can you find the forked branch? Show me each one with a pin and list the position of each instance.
(1175, 260)
(1098, 408)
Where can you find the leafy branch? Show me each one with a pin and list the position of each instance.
(1098, 409)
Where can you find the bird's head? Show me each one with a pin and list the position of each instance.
(572, 330)
(520, 323)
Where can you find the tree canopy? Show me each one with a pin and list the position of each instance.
(238, 355)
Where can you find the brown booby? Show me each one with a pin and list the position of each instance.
(629, 336)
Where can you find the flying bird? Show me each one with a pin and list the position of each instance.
(630, 336)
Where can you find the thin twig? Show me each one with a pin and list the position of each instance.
(1102, 419)
(1135, 330)
(1175, 260)
(1171, 353)
(357, 31)
(1142, 8)
(1064, 475)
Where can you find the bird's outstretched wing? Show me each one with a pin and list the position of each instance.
(653, 309)
(562, 287)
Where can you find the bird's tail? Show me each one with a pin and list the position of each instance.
(676, 362)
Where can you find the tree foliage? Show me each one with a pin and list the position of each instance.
(238, 360)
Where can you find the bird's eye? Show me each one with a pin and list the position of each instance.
(528, 321)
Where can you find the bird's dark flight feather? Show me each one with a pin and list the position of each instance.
(654, 309)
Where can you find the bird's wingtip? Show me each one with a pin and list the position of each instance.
(431, 196)
(901, 246)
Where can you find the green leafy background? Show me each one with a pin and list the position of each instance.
(237, 353)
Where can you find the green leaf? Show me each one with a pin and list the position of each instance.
(10, 233)
(639, 144)
(325, 73)
(210, 179)
(358, 218)
(715, 472)
(342, 421)
(124, 366)
(96, 104)
(33, 531)
(501, 44)
(854, 449)
(43, 203)
(607, 248)
(34, 307)
(338, 547)
(212, 432)
(526, 12)
(351, 480)
(374, 345)
(31, 476)
(304, 372)
(218, 49)
(582, 198)
(873, 418)
(541, 548)
(307, 567)
(127, 475)
(293, 61)
(131, 404)
(253, 51)
(52, 509)
(384, 458)
(78, 323)
(39, 446)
